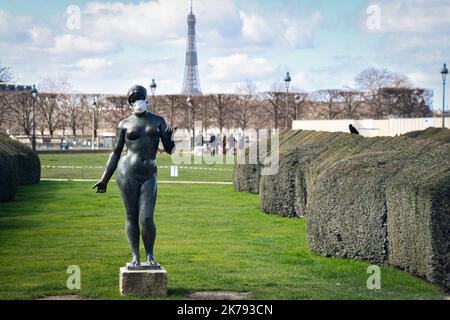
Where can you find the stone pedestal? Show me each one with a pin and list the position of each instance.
(143, 281)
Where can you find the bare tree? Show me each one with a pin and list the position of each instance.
(173, 103)
(120, 108)
(49, 107)
(4, 114)
(351, 102)
(183, 118)
(274, 103)
(6, 74)
(86, 114)
(21, 104)
(372, 81)
(407, 102)
(191, 110)
(329, 102)
(50, 102)
(202, 111)
(222, 108)
(41, 124)
(300, 100)
(243, 104)
(73, 111)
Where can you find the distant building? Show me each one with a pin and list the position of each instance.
(13, 87)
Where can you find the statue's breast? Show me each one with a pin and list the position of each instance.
(134, 134)
(141, 129)
(152, 131)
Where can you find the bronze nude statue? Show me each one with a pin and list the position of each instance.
(136, 173)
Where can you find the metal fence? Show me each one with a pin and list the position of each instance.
(183, 138)
(68, 143)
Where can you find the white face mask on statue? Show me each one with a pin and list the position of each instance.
(140, 107)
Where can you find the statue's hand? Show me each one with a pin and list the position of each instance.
(101, 186)
(170, 131)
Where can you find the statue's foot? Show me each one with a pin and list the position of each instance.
(151, 260)
(135, 261)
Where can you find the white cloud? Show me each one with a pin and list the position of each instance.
(94, 64)
(41, 35)
(132, 42)
(255, 28)
(219, 22)
(69, 43)
(161, 20)
(14, 29)
(414, 16)
(420, 78)
(276, 30)
(312, 79)
(136, 23)
(415, 39)
(238, 67)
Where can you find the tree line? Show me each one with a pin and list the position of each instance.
(379, 94)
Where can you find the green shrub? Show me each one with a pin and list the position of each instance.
(246, 177)
(436, 134)
(385, 199)
(8, 178)
(19, 165)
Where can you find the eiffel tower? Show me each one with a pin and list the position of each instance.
(191, 83)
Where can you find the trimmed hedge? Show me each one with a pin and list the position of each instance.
(436, 134)
(19, 165)
(385, 200)
(246, 177)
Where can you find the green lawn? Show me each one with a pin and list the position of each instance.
(83, 162)
(209, 238)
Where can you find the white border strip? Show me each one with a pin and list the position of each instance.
(161, 181)
(160, 167)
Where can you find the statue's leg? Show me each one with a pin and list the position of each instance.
(147, 202)
(130, 189)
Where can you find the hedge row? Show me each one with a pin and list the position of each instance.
(385, 200)
(436, 134)
(246, 177)
(19, 165)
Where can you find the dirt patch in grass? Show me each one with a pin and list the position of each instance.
(67, 297)
(217, 295)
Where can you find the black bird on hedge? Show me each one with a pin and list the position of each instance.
(353, 129)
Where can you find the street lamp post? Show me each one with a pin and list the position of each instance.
(34, 94)
(220, 110)
(297, 100)
(153, 87)
(190, 105)
(94, 130)
(287, 81)
(444, 73)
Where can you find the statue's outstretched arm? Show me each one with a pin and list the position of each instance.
(113, 160)
(166, 136)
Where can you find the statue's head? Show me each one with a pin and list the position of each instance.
(136, 93)
(137, 97)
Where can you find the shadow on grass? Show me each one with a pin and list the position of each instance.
(12, 224)
(31, 200)
(178, 292)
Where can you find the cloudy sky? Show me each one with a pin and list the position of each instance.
(323, 43)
